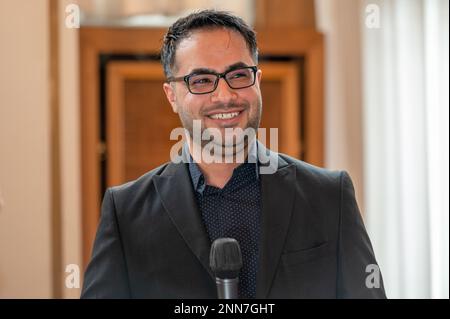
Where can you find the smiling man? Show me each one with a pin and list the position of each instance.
(299, 227)
(205, 57)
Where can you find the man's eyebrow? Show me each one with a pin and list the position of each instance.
(236, 66)
(230, 67)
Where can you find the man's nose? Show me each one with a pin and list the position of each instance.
(223, 93)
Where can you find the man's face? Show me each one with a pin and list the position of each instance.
(216, 50)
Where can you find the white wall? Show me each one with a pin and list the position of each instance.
(406, 106)
(25, 247)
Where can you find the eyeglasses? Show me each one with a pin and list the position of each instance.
(206, 82)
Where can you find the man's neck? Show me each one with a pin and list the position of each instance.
(217, 173)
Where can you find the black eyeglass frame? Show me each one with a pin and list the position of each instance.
(186, 78)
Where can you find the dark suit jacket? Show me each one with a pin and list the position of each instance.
(151, 242)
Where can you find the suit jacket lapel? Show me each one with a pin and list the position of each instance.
(277, 192)
(175, 189)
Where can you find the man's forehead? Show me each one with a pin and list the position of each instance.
(216, 49)
(225, 68)
(200, 36)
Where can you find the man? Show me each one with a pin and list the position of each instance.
(299, 227)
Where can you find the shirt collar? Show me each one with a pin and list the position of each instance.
(197, 178)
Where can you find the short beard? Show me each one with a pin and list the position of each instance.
(253, 123)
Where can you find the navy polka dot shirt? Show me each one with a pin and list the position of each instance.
(234, 211)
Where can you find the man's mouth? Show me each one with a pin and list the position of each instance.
(224, 116)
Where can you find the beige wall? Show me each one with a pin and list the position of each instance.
(25, 151)
(70, 148)
(25, 250)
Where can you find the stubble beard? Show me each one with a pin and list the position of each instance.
(235, 141)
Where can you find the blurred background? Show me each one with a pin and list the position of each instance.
(353, 85)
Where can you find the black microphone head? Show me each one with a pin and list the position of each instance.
(225, 258)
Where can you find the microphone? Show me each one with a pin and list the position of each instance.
(225, 260)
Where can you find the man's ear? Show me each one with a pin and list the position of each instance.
(258, 76)
(171, 97)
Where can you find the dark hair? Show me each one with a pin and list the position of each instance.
(204, 19)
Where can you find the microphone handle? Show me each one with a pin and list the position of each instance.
(227, 288)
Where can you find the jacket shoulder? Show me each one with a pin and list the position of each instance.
(138, 187)
(306, 171)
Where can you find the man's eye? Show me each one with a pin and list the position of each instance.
(240, 74)
(201, 81)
